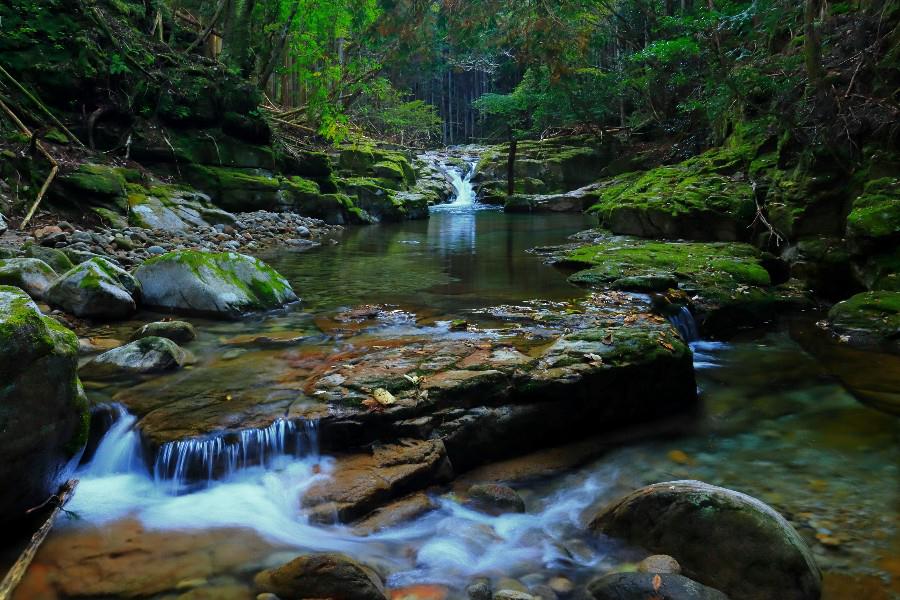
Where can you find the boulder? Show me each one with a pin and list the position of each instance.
(869, 320)
(95, 288)
(495, 499)
(643, 586)
(659, 563)
(756, 553)
(179, 332)
(146, 355)
(325, 575)
(223, 285)
(3, 225)
(30, 274)
(44, 420)
(57, 259)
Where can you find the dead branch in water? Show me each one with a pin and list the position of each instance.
(20, 567)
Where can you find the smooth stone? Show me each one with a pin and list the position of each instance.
(561, 585)
(323, 575)
(179, 332)
(512, 595)
(57, 259)
(644, 586)
(479, 589)
(722, 538)
(32, 275)
(147, 355)
(659, 563)
(156, 250)
(495, 499)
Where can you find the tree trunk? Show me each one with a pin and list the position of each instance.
(277, 49)
(511, 165)
(812, 45)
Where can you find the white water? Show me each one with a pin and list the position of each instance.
(464, 197)
(453, 543)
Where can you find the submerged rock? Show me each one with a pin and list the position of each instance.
(869, 320)
(95, 288)
(326, 575)
(216, 284)
(146, 355)
(642, 586)
(495, 499)
(720, 537)
(29, 274)
(179, 332)
(44, 421)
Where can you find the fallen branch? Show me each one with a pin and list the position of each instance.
(20, 567)
(37, 143)
(209, 28)
(40, 105)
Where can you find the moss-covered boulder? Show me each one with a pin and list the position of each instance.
(172, 208)
(875, 216)
(57, 259)
(95, 288)
(392, 167)
(729, 283)
(756, 554)
(224, 285)
(43, 412)
(869, 320)
(92, 185)
(143, 356)
(29, 274)
(705, 198)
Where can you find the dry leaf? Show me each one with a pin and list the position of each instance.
(384, 397)
(657, 583)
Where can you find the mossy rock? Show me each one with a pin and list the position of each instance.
(93, 184)
(44, 421)
(31, 275)
(729, 282)
(224, 285)
(179, 332)
(143, 356)
(95, 288)
(875, 216)
(869, 320)
(705, 198)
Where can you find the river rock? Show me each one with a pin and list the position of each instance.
(659, 563)
(30, 274)
(756, 554)
(870, 320)
(216, 284)
(95, 288)
(179, 332)
(57, 259)
(44, 421)
(479, 589)
(146, 355)
(495, 499)
(643, 586)
(325, 575)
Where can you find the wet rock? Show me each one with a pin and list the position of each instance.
(29, 274)
(361, 483)
(95, 288)
(44, 421)
(479, 589)
(685, 519)
(146, 355)
(542, 591)
(641, 586)
(156, 250)
(495, 499)
(561, 585)
(223, 285)
(507, 594)
(179, 332)
(57, 259)
(870, 320)
(3, 225)
(659, 563)
(395, 513)
(326, 575)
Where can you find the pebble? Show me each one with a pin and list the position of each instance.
(561, 585)
(659, 563)
(156, 250)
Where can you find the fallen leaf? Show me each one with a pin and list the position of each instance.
(413, 379)
(384, 397)
(657, 583)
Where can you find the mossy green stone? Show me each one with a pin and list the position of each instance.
(876, 212)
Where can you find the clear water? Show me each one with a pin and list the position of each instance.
(778, 424)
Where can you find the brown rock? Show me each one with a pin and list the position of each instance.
(325, 575)
(495, 499)
(395, 513)
(659, 563)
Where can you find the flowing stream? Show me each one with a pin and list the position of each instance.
(777, 424)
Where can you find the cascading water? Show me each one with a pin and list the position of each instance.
(120, 449)
(684, 322)
(462, 185)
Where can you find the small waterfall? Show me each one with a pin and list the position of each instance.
(684, 322)
(203, 460)
(462, 185)
(120, 449)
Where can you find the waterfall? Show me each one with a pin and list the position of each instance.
(198, 460)
(462, 185)
(684, 322)
(120, 449)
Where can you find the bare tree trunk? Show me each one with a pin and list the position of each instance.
(812, 45)
(511, 165)
(277, 49)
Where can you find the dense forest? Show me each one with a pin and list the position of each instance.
(447, 299)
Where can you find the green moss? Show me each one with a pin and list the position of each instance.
(97, 179)
(870, 316)
(876, 212)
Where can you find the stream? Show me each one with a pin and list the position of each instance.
(776, 423)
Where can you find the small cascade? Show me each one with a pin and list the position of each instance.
(684, 322)
(120, 449)
(462, 185)
(203, 460)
